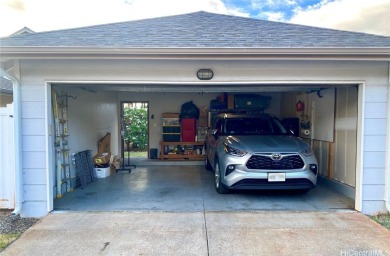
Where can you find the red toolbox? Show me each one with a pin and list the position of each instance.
(188, 129)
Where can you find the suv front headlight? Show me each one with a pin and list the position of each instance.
(233, 151)
(307, 152)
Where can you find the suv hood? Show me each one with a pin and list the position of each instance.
(264, 143)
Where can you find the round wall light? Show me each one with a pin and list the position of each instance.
(205, 74)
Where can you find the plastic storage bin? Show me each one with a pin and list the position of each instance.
(101, 173)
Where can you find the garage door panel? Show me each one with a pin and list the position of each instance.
(339, 171)
(351, 158)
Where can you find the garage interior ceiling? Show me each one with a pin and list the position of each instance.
(205, 88)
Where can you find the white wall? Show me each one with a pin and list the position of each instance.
(374, 75)
(90, 116)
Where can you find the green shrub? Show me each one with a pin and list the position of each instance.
(137, 129)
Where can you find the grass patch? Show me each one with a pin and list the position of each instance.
(6, 239)
(383, 219)
(136, 154)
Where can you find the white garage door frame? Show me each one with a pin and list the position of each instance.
(261, 86)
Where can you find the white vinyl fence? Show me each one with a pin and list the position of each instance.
(7, 158)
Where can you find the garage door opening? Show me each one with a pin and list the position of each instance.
(332, 131)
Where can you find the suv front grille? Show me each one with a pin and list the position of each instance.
(265, 162)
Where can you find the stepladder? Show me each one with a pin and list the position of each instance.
(61, 143)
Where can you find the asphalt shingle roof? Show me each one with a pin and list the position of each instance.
(199, 30)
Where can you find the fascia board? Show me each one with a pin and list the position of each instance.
(379, 54)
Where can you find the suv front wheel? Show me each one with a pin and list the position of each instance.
(219, 187)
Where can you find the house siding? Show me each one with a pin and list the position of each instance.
(373, 74)
(34, 149)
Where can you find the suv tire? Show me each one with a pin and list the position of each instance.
(219, 187)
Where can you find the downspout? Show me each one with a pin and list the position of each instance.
(17, 140)
(387, 169)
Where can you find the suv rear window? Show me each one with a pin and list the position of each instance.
(253, 126)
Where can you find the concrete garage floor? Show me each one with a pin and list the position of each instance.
(189, 189)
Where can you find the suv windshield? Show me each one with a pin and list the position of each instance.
(253, 126)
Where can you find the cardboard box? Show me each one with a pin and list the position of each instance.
(203, 122)
(112, 169)
(115, 163)
(104, 152)
(203, 112)
(201, 130)
(102, 158)
(101, 173)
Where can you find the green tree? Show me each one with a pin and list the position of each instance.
(136, 131)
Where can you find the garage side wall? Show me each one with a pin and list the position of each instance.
(91, 115)
(374, 75)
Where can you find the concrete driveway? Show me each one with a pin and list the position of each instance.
(204, 233)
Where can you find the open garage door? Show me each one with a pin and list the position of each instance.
(328, 119)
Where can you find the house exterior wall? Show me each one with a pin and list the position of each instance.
(35, 74)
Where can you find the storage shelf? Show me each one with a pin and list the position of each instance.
(164, 156)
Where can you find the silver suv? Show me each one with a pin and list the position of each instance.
(255, 151)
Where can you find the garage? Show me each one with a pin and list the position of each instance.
(335, 104)
(334, 82)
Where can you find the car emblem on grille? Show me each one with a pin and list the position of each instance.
(276, 157)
